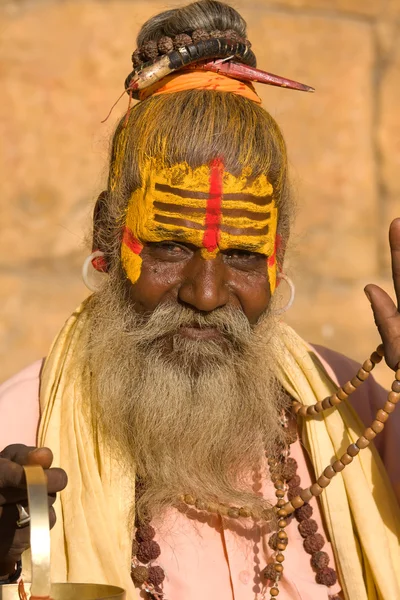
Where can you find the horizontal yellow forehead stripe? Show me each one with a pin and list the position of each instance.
(194, 203)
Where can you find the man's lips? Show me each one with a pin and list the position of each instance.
(196, 333)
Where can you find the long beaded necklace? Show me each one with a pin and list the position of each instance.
(283, 471)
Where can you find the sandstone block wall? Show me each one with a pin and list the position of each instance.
(62, 66)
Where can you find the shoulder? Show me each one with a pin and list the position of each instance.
(19, 406)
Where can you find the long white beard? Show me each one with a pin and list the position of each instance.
(190, 416)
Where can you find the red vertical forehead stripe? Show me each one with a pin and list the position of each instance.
(213, 208)
(129, 240)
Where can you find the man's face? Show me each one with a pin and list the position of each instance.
(201, 238)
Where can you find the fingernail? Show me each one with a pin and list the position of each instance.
(368, 296)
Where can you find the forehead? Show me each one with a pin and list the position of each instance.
(186, 183)
(207, 206)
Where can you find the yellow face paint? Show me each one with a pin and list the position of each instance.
(215, 202)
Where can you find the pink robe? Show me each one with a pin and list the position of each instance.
(213, 557)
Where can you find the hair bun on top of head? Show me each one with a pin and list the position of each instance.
(205, 35)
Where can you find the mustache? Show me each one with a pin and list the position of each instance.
(168, 318)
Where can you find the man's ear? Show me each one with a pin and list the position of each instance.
(100, 263)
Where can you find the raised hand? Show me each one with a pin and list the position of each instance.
(386, 312)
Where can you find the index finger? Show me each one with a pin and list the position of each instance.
(394, 241)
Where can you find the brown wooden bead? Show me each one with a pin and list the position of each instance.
(368, 365)
(362, 442)
(362, 374)
(389, 407)
(281, 503)
(278, 568)
(327, 403)
(279, 493)
(397, 375)
(396, 386)
(282, 513)
(200, 504)
(280, 557)
(341, 394)
(306, 495)
(377, 426)
(213, 507)
(369, 434)
(274, 591)
(346, 459)
(380, 350)
(223, 510)
(281, 545)
(353, 450)
(323, 481)
(311, 411)
(375, 358)
(338, 466)
(348, 387)
(279, 485)
(356, 382)
(189, 499)
(244, 511)
(329, 472)
(233, 512)
(394, 397)
(282, 535)
(335, 400)
(282, 523)
(316, 489)
(302, 411)
(296, 406)
(293, 504)
(318, 407)
(382, 415)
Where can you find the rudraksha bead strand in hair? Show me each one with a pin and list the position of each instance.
(344, 391)
(152, 49)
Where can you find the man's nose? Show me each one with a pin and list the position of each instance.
(204, 287)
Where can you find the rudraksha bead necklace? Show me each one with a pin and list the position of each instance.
(283, 471)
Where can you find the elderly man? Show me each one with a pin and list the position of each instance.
(210, 452)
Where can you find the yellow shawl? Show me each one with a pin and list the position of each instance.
(91, 541)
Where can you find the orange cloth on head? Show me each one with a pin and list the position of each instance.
(201, 80)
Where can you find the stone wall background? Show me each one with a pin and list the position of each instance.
(62, 63)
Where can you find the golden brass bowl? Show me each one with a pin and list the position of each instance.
(41, 585)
